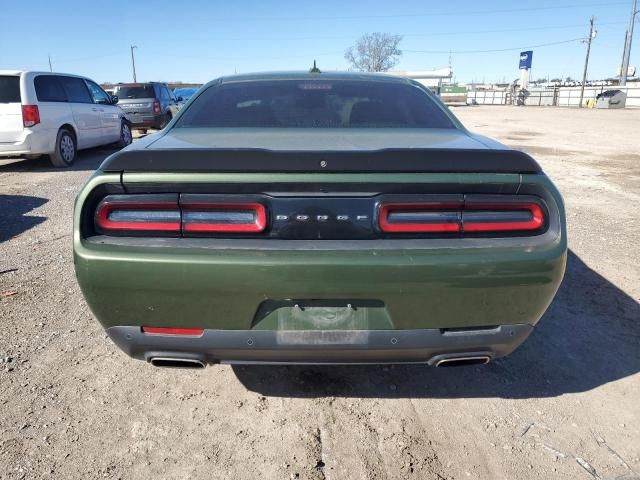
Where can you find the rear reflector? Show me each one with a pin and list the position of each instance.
(189, 332)
(223, 217)
(469, 217)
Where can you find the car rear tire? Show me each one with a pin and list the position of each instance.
(66, 150)
(126, 137)
(167, 119)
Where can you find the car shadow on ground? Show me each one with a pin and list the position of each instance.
(13, 218)
(588, 337)
(88, 160)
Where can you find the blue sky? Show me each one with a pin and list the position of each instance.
(196, 41)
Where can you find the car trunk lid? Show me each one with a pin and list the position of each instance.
(320, 150)
(136, 105)
(135, 98)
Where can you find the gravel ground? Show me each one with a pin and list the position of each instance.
(565, 405)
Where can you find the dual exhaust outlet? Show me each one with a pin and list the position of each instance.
(194, 363)
(462, 361)
(177, 362)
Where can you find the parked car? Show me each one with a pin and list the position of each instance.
(318, 218)
(148, 105)
(185, 92)
(56, 114)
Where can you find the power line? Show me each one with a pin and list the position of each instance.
(498, 49)
(430, 34)
(504, 30)
(283, 57)
(326, 54)
(261, 57)
(92, 57)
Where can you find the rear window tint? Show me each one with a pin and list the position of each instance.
(49, 89)
(315, 104)
(135, 91)
(75, 89)
(9, 89)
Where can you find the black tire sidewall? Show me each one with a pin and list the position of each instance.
(57, 159)
(167, 118)
(122, 142)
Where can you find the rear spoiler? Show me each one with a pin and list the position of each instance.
(374, 161)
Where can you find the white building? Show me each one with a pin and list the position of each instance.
(429, 78)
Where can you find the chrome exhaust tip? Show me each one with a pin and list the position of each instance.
(463, 361)
(177, 362)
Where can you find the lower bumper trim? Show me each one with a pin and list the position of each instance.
(430, 346)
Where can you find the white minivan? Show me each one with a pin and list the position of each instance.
(55, 114)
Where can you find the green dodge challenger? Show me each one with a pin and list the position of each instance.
(318, 218)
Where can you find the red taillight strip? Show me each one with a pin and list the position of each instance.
(258, 225)
(386, 226)
(103, 221)
(536, 222)
(188, 332)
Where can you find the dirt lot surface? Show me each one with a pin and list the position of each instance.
(565, 405)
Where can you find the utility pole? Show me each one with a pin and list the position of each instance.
(592, 34)
(133, 63)
(50, 67)
(628, 38)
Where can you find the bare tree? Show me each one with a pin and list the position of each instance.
(374, 52)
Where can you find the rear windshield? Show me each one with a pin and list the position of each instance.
(315, 104)
(9, 89)
(135, 91)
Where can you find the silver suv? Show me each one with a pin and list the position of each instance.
(147, 105)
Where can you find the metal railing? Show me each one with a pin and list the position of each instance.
(557, 97)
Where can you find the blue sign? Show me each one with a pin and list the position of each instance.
(525, 59)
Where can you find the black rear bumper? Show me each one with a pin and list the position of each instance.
(428, 346)
(141, 121)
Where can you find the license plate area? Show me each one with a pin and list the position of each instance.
(322, 315)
